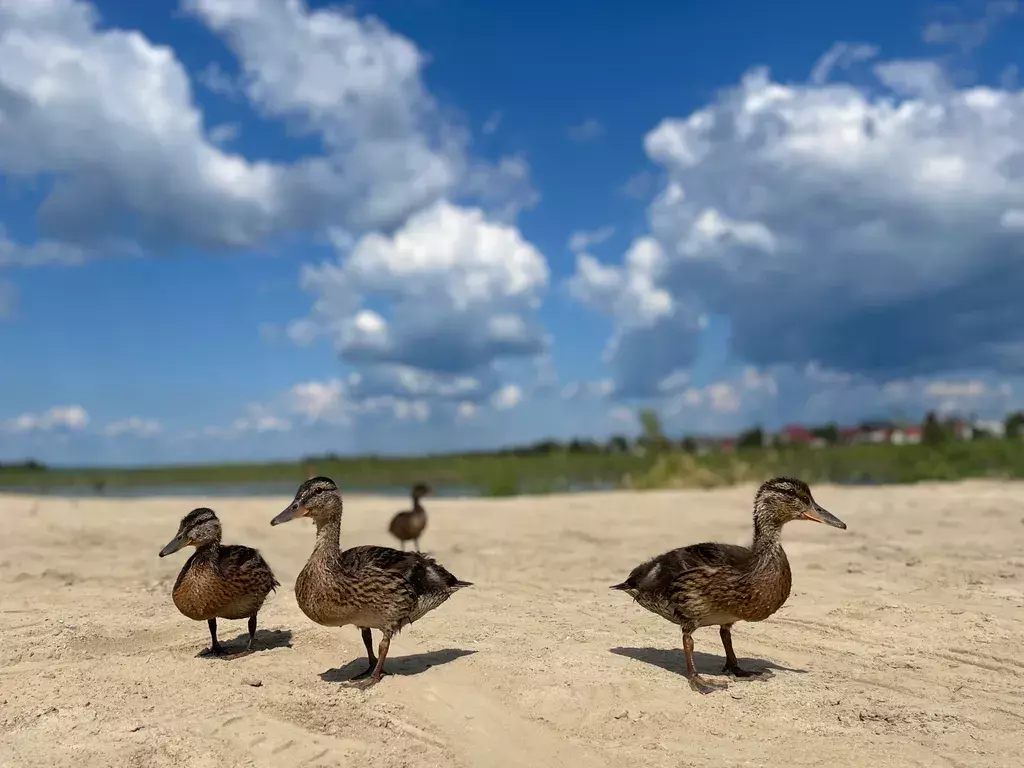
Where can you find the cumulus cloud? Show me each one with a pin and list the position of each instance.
(59, 417)
(841, 56)
(461, 293)
(133, 425)
(954, 27)
(873, 233)
(507, 398)
(582, 240)
(102, 112)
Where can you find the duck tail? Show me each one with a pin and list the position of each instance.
(623, 586)
(460, 584)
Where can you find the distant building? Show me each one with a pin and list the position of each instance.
(908, 435)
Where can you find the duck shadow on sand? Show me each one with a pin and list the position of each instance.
(266, 640)
(396, 665)
(674, 660)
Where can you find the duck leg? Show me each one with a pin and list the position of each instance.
(368, 642)
(732, 665)
(252, 634)
(417, 545)
(378, 670)
(698, 683)
(215, 649)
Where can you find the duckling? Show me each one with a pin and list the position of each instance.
(719, 584)
(408, 526)
(218, 581)
(369, 587)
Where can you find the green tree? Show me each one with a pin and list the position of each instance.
(752, 438)
(829, 433)
(653, 437)
(933, 432)
(618, 444)
(1015, 425)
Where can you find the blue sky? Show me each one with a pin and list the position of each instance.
(246, 229)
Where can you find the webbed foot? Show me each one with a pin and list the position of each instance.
(366, 680)
(704, 686)
(736, 670)
(366, 672)
(214, 650)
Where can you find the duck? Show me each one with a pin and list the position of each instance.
(711, 584)
(408, 526)
(218, 581)
(369, 587)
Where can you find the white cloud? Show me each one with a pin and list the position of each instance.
(597, 389)
(41, 252)
(508, 397)
(492, 123)
(956, 389)
(954, 28)
(893, 217)
(69, 417)
(841, 56)
(462, 292)
(589, 130)
(639, 185)
(224, 133)
(102, 112)
(466, 410)
(582, 240)
(133, 425)
(724, 397)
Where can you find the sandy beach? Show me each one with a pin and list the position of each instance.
(901, 644)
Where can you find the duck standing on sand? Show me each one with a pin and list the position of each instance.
(369, 587)
(707, 584)
(218, 581)
(408, 526)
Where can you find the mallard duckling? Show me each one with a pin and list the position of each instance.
(218, 581)
(408, 526)
(719, 584)
(368, 587)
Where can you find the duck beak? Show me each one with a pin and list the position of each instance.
(173, 546)
(293, 511)
(821, 515)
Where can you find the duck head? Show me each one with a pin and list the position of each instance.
(318, 498)
(783, 499)
(198, 528)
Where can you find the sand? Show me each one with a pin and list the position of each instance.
(901, 644)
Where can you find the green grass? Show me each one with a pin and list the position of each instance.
(492, 475)
(840, 464)
(508, 474)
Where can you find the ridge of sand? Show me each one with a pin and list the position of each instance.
(902, 642)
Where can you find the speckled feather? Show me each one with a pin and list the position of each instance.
(368, 586)
(218, 581)
(711, 583)
(223, 582)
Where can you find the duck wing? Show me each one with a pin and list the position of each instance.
(246, 565)
(419, 576)
(660, 573)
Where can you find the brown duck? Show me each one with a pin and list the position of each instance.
(218, 581)
(368, 587)
(408, 526)
(719, 584)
